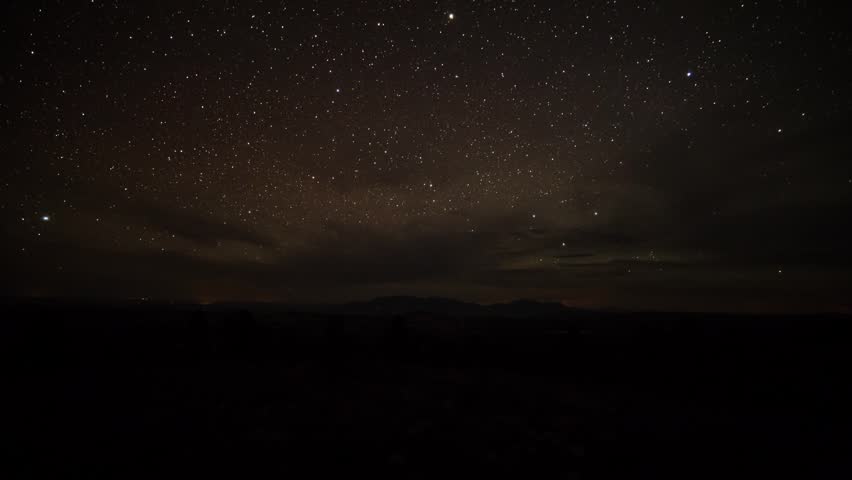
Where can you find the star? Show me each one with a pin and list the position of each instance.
(443, 129)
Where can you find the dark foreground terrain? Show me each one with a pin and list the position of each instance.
(137, 391)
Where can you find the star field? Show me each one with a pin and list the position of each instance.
(604, 154)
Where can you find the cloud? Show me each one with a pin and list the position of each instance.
(189, 225)
(172, 219)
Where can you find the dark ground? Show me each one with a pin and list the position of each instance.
(138, 391)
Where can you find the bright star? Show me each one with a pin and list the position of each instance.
(45, 218)
(689, 73)
(452, 16)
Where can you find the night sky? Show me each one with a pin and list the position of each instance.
(642, 155)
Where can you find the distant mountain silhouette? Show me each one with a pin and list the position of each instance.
(380, 306)
(528, 308)
(398, 305)
(401, 305)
